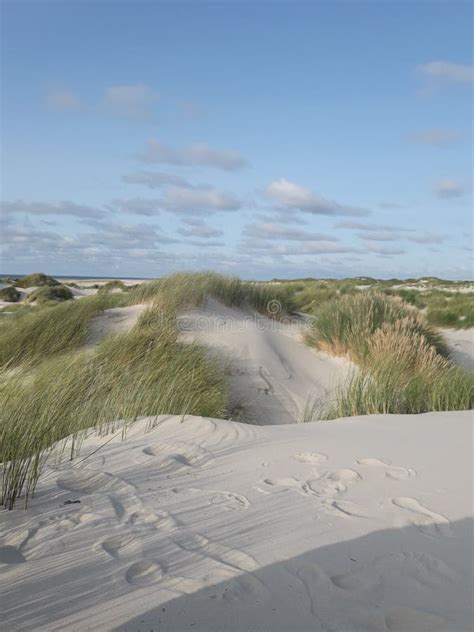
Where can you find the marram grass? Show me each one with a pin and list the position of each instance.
(402, 372)
(52, 388)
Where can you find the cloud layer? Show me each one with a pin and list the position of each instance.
(199, 154)
(292, 197)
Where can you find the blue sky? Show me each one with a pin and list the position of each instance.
(264, 139)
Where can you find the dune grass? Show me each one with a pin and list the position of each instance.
(145, 372)
(402, 361)
(402, 374)
(10, 294)
(36, 333)
(36, 279)
(59, 389)
(111, 286)
(344, 325)
(47, 293)
(183, 290)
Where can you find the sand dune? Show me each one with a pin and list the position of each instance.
(215, 525)
(116, 320)
(461, 346)
(273, 374)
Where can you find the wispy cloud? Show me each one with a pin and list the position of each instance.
(198, 199)
(382, 250)
(447, 72)
(135, 206)
(437, 137)
(200, 229)
(136, 101)
(371, 227)
(279, 232)
(18, 207)
(293, 197)
(63, 100)
(448, 189)
(199, 154)
(389, 232)
(154, 179)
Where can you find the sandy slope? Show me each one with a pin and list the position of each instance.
(461, 345)
(116, 320)
(273, 374)
(211, 525)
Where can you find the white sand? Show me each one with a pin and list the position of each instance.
(273, 374)
(116, 320)
(356, 525)
(211, 525)
(461, 346)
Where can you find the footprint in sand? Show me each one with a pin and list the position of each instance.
(327, 485)
(335, 482)
(229, 501)
(310, 457)
(178, 454)
(391, 471)
(203, 546)
(346, 507)
(143, 573)
(121, 544)
(427, 521)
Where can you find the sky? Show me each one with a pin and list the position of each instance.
(269, 139)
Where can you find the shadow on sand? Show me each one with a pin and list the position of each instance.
(414, 579)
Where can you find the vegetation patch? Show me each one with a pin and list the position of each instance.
(50, 293)
(403, 363)
(10, 294)
(344, 326)
(59, 389)
(36, 279)
(33, 334)
(112, 286)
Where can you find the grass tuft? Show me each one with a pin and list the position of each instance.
(50, 293)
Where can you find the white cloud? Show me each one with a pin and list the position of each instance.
(388, 232)
(199, 228)
(154, 179)
(136, 206)
(63, 100)
(371, 227)
(49, 208)
(448, 72)
(437, 137)
(382, 250)
(192, 155)
(198, 199)
(279, 232)
(448, 189)
(293, 197)
(131, 101)
(272, 249)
